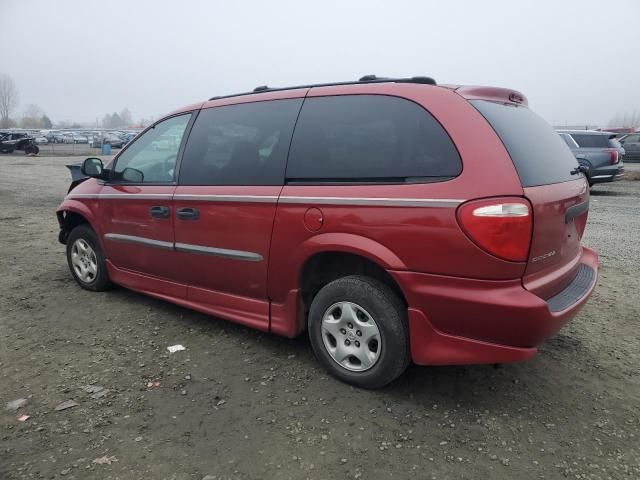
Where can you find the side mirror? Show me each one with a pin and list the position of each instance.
(132, 175)
(92, 167)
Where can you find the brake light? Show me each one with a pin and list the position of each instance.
(613, 155)
(500, 226)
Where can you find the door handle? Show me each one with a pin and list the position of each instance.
(188, 213)
(159, 211)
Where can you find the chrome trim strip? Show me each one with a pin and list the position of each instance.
(185, 247)
(602, 176)
(227, 198)
(124, 196)
(375, 201)
(116, 237)
(219, 252)
(363, 201)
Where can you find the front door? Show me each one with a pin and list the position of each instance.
(136, 205)
(231, 175)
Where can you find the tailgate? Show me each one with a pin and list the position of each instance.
(558, 193)
(559, 219)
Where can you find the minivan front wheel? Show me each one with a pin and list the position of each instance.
(358, 331)
(86, 260)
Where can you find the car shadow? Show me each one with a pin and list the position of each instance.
(468, 386)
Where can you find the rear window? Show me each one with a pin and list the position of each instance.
(586, 140)
(369, 138)
(540, 156)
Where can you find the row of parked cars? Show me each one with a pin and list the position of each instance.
(117, 139)
(28, 140)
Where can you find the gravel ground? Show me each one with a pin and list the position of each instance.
(246, 405)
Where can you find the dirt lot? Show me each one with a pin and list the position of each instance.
(247, 405)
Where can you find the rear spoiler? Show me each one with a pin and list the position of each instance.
(493, 94)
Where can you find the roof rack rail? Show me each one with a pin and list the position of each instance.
(361, 80)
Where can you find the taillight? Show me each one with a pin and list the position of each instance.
(613, 155)
(501, 226)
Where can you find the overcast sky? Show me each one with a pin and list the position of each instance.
(577, 61)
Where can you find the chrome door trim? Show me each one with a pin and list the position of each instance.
(227, 198)
(219, 252)
(116, 237)
(374, 201)
(185, 247)
(124, 196)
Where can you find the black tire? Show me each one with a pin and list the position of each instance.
(100, 280)
(36, 150)
(389, 314)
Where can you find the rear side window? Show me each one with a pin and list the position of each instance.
(540, 156)
(355, 138)
(244, 144)
(568, 140)
(586, 140)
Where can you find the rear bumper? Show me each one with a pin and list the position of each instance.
(466, 321)
(607, 174)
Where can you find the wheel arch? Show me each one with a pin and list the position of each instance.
(325, 266)
(290, 292)
(70, 215)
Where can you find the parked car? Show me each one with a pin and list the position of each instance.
(95, 140)
(127, 137)
(114, 140)
(11, 141)
(362, 213)
(599, 152)
(77, 138)
(55, 137)
(631, 144)
(41, 140)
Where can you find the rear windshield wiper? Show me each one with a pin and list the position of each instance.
(579, 169)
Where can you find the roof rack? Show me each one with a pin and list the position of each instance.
(362, 80)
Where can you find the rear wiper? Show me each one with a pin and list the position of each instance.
(579, 169)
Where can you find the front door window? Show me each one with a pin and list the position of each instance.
(152, 157)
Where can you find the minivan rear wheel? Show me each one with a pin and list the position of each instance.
(86, 260)
(358, 331)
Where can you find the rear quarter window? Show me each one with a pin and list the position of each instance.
(540, 156)
(369, 138)
(586, 140)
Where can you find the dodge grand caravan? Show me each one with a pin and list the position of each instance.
(394, 220)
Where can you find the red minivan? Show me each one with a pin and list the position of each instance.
(394, 220)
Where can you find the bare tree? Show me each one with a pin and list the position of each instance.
(8, 99)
